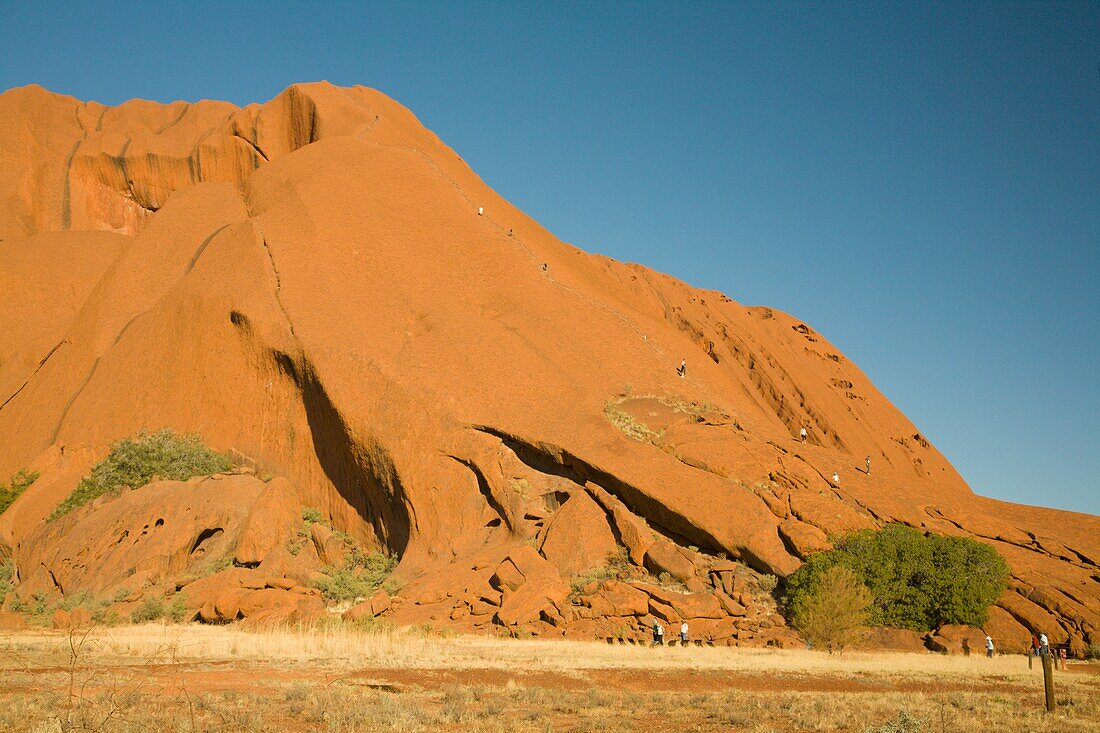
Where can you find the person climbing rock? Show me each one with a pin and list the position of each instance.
(802, 434)
(836, 479)
(544, 267)
(683, 368)
(868, 460)
(480, 210)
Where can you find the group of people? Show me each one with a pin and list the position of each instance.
(659, 633)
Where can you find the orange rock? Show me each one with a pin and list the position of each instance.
(578, 537)
(61, 619)
(271, 522)
(316, 263)
(10, 621)
(330, 548)
(665, 557)
(80, 618)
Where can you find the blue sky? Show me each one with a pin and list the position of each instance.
(919, 182)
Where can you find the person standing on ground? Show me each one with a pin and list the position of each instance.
(684, 633)
(1044, 645)
(660, 635)
(868, 465)
(655, 626)
(802, 433)
(989, 646)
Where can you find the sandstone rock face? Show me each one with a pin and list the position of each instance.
(320, 284)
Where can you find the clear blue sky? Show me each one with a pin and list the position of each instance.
(919, 182)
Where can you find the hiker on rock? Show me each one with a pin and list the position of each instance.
(868, 465)
(802, 434)
(836, 479)
(989, 646)
(684, 633)
(683, 368)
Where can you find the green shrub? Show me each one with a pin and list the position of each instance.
(7, 571)
(616, 567)
(18, 484)
(767, 582)
(1092, 651)
(834, 611)
(151, 609)
(133, 462)
(917, 581)
(176, 611)
(362, 574)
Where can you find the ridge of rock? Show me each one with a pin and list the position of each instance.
(320, 284)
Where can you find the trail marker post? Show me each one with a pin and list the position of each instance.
(1048, 680)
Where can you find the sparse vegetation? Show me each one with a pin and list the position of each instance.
(151, 609)
(192, 678)
(363, 573)
(917, 581)
(904, 723)
(134, 462)
(617, 567)
(7, 572)
(16, 486)
(833, 612)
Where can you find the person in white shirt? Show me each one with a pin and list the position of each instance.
(802, 434)
(989, 646)
(684, 633)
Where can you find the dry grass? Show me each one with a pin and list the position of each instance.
(196, 678)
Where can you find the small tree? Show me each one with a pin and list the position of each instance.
(834, 611)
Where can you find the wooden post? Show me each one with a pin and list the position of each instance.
(1048, 680)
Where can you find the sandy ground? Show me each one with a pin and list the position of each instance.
(195, 678)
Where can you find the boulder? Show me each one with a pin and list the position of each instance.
(61, 619)
(329, 546)
(803, 538)
(960, 639)
(578, 537)
(10, 621)
(374, 606)
(80, 618)
(665, 557)
(272, 520)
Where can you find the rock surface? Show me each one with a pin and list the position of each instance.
(318, 283)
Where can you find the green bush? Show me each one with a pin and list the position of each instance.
(7, 570)
(616, 567)
(133, 462)
(151, 609)
(834, 612)
(918, 581)
(18, 484)
(363, 573)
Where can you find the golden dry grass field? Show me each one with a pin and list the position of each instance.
(189, 678)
